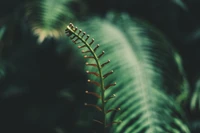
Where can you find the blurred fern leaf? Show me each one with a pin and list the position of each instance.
(195, 101)
(181, 4)
(49, 17)
(2, 31)
(148, 77)
(185, 86)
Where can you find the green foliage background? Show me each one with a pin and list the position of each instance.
(154, 51)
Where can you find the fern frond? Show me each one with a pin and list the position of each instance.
(195, 100)
(77, 36)
(48, 18)
(147, 73)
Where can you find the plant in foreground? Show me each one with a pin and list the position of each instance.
(77, 36)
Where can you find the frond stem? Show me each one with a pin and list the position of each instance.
(100, 74)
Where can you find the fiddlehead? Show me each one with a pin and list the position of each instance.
(80, 37)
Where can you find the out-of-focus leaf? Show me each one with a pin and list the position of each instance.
(48, 18)
(181, 4)
(185, 87)
(195, 100)
(2, 71)
(2, 30)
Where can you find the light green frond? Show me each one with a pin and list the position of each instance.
(148, 78)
